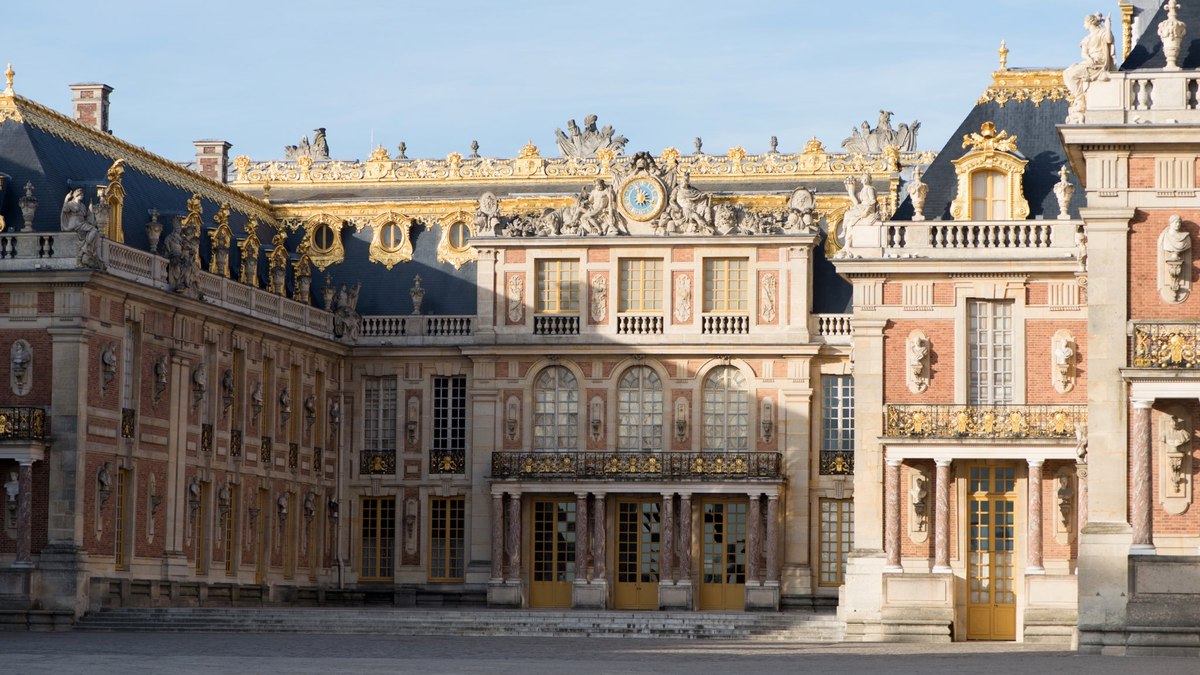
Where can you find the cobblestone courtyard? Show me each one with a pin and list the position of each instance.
(129, 653)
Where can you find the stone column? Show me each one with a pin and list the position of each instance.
(497, 536)
(667, 539)
(685, 539)
(1034, 524)
(1081, 499)
(581, 537)
(513, 539)
(941, 518)
(891, 519)
(24, 515)
(772, 539)
(1141, 515)
(599, 534)
(753, 540)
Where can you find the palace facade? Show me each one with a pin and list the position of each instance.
(612, 379)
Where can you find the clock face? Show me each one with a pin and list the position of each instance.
(642, 198)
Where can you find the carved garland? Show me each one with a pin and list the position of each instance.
(991, 151)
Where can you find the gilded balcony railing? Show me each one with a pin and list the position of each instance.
(636, 466)
(23, 424)
(377, 462)
(447, 460)
(984, 421)
(1166, 345)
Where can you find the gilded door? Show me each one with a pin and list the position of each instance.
(723, 561)
(553, 553)
(991, 596)
(639, 541)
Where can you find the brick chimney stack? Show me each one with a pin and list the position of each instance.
(212, 158)
(90, 103)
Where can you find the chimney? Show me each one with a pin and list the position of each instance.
(211, 158)
(90, 103)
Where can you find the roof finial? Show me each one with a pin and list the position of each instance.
(8, 78)
(1003, 55)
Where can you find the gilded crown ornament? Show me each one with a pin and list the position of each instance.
(988, 139)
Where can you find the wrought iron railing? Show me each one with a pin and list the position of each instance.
(1166, 345)
(636, 466)
(23, 424)
(984, 421)
(447, 461)
(377, 462)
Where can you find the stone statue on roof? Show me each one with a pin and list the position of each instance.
(870, 141)
(318, 149)
(1098, 55)
(584, 143)
(78, 218)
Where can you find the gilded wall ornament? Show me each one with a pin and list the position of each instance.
(323, 235)
(990, 150)
(114, 199)
(250, 246)
(391, 239)
(221, 238)
(454, 243)
(1175, 262)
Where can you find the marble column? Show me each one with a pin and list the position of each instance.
(941, 518)
(1141, 515)
(667, 539)
(24, 556)
(685, 538)
(753, 540)
(773, 539)
(599, 534)
(1033, 533)
(513, 540)
(498, 536)
(891, 518)
(581, 537)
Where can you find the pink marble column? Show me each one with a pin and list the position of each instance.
(1034, 520)
(1141, 515)
(667, 539)
(498, 536)
(941, 518)
(581, 537)
(24, 516)
(772, 539)
(753, 539)
(891, 517)
(685, 539)
(599, 536)
(513, 540)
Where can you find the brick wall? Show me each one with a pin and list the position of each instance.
(941, 348)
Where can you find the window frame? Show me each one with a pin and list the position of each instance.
(639, 280)
(637, 408)
(726, 285)
(557, 287)
(727, 409)
(547, 415)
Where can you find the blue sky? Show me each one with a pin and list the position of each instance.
(438, 74)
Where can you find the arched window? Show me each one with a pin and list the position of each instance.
(726, 410)
(556, 410)
(640, 410)
(989, 195)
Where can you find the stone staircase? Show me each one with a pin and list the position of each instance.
(793, 626)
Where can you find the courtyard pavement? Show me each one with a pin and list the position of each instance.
(133, 653)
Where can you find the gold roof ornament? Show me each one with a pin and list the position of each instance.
(530, 151)
(9, 74)
(1024, 85)
(379, 154)
(987, 139)
(1003, 55)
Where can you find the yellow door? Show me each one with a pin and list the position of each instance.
(639, 540)
(553, 555)
(723, 573)
(991, 595)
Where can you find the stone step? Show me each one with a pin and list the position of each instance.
(791, 626)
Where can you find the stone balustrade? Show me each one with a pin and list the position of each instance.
(833, 328)
(980, 239)
(1144, 97)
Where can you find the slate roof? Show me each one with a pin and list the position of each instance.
(1147, 54)
(1037, 140)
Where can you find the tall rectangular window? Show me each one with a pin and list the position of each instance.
(837, 539)
(379, 425)
(837, 425)
(641, 285)
(557, 286)
(990, 353)
(122, 514)
(449, 425)
(726, 286)
(378, 538)
(447, 530)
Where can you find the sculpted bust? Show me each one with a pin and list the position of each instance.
(1175, 262)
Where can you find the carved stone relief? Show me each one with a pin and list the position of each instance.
(1175, 262)
(108, 366)
(596, 418)
(586, 142)
(1064, 499)
(199, 383)
(769, 292)
(1175, 460)
(1063, 357)
(412, 424)
(160, 377)
(21, 367)
(865, 140)
(516, 299)
(681, 419)
(512, 419)
(598, 308)
(683, 298)
(410, 526)
(917, 358)
(918, 502)
(766, 419)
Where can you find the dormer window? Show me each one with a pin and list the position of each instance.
(990, 178)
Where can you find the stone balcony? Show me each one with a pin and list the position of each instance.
(24, 433)
(993, 239)
(640, 466)
(984, 422)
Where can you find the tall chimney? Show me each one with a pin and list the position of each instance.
(90, 103)
(211, 159)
